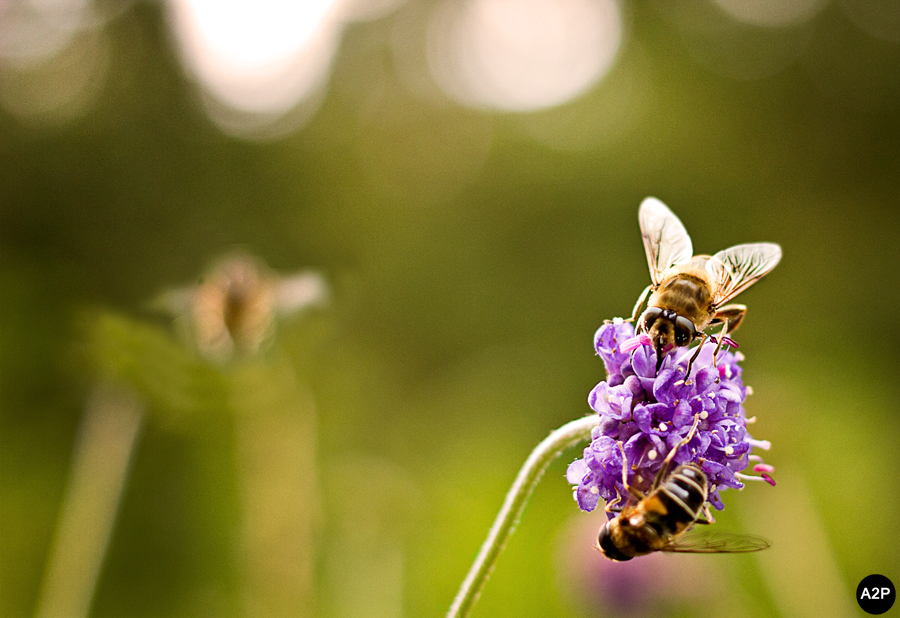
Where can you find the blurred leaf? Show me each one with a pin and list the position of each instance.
(181, 388)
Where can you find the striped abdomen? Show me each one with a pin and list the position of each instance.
(651, 524)
(682, 495)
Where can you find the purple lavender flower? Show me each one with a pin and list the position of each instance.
(649, 413)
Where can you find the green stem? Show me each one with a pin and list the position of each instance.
(552, 447)
(99, 476)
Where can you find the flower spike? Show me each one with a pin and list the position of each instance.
(650, 407)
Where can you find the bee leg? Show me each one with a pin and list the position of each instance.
(731, 317)
(687, 374)
(611, 506)
(706, 517)
(667, 462)
(636, 312)
(634, 492)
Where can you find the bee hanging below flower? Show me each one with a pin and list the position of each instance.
(659, 520)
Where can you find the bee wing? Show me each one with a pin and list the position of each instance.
(174, 302)
(299, 291)
(736, 269)
(716, 543)
(665, 240)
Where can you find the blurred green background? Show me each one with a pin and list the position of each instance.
(471, 252)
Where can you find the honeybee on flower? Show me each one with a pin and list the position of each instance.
(688, 293)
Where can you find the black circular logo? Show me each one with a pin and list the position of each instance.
(875, 594)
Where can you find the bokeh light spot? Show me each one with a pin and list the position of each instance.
(521, 55)
(257, 58)
(772, 13)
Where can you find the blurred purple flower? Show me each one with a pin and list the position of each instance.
(649, 413)
(652, 586)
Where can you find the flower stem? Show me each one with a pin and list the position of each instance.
(549, 449)
(103, 452)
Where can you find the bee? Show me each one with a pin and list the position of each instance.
(689, 292)
(232, 311)
(659, 520)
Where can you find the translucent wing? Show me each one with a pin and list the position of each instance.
(665, 240)
(299, 291)
(716, 543)
(736, 269)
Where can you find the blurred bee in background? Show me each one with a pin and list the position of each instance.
(688, 292)
(659, 520)
(232, 310)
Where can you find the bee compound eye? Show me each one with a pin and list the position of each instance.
(649, 317)
(603, 537)
(684, 331)
(608, 547)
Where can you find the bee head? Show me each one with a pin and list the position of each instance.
(607, 545)
(667, 330)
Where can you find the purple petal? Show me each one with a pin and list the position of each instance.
(576, 471)
(588, 497)
(643, 416)
(644, 362)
